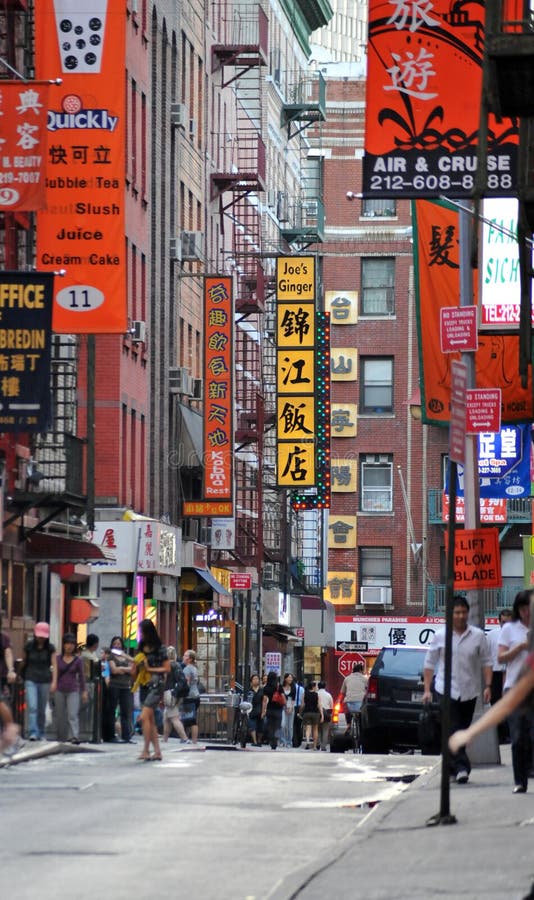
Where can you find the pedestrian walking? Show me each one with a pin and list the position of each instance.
(120, 686)
(498, 669)
(513, 651)
(327, 706)
(255, 697)
(39, 670)
(157, 666)
(171, 705)
(8, 676)
(297, 720)
(288, 713)
(471, 660)
(191, 703)
(10, 740)
(312, 716)
(70, 688)
(91, 657)
(353, 691)
(272, 708)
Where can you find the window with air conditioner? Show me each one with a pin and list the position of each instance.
(377, 295)
(375, 575)
(376, 386)
(376, 480)
(191, 245)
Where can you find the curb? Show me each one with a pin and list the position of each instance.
(289, 887)
(51, 749)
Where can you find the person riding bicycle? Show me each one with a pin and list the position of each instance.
(352, 691)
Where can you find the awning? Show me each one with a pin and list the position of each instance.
(281, 633)
(49, 548)
(190, 437)
(206, 576)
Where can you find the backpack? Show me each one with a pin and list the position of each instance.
(178, 685)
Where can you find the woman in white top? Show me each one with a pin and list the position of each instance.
(513, 649)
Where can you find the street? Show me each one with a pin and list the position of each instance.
(225, 824)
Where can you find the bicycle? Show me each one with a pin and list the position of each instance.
(241, 723)
(355, 728)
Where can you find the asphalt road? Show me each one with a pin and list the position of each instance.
(231, 825)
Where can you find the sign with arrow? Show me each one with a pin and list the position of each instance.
(483, 410)
(458, 329)
(352, 646)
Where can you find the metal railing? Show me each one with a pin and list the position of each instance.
(493, 599)
(518, 509)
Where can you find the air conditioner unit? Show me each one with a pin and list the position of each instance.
(196, 388)
(268, 572)
(375, 595)
(192, 127)
(179, 115)
(271, 199)
(138, 332)
(191, 244)
(175, 249)
(282, 207)
(180, 381)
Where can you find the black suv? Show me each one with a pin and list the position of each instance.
(393, 702)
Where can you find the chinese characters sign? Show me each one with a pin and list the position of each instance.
(218, 380)
(438, 285)
(23, 111)
(25, 337)
(503, 463)
(342, 306)
(82, 228)
(341, 588)
(424, 86)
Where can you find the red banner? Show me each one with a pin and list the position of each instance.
(218, 382)
(23, 145)
(437, 281)
(83, 230)
(424, 82)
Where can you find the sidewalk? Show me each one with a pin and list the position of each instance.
(394, 855)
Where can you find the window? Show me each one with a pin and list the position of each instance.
(375, 566)
(374, 208)
(378, 287)
(376, 386)
(376, 479)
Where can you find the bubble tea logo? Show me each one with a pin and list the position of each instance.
(80, 34)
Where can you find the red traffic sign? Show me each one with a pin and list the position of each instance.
(346, 661)
(458, 329)
(457, 425)
(483, 410)
(477, 559)
(240, 581)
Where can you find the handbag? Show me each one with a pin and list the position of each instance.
(279, 698)
(327, 715)
(429, 729)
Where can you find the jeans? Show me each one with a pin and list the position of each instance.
(36, 699)
(123, 697)
(286, 734)
(67, 709)
(461, 717)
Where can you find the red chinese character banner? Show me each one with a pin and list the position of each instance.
(82, 229)
(218, 382)
(23, 112)
(424, 83)
(437, 284)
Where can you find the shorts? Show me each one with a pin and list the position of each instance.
(353, 706)
(153, 698)
(311, 718)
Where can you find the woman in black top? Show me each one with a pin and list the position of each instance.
(120, 685)
(39, 671)
(312, 716)
(157, 664)
(255, 696)
(271, 709)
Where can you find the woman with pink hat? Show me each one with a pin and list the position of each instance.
(39, 671)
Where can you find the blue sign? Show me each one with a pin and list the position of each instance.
(503, 463)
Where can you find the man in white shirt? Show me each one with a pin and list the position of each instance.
(327, 704)
(513, 650)
(353, 691)
(471, 659)
(493, 638)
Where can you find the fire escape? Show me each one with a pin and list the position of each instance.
(508, 91)
(240, 53)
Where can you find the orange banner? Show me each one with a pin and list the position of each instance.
(424, 82)
(218, 381)
(437, 281)
(82, 230)
(23, 108)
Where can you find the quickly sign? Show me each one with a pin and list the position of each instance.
(477, 559)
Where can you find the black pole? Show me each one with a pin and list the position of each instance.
(444, 816)
(247, 624)
(90, 460)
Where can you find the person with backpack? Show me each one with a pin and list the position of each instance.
(39, 670)
(176, 689)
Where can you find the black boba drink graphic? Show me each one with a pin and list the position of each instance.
(80, 34)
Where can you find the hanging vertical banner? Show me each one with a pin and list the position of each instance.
(25, 339)
(437, 284)
(82, 230)
(23, 144)
(424, 82)
(218, 382)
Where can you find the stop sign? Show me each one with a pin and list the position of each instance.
(346, 661)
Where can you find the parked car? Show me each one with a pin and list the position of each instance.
(394, 701)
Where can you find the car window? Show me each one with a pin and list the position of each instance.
(400, 661)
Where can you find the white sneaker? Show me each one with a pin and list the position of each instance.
(462, 777)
